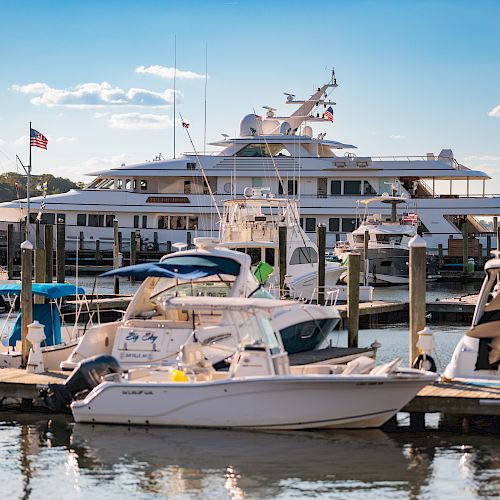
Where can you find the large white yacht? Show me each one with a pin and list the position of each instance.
(174, 200)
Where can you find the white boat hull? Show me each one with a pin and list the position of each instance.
(289, 402)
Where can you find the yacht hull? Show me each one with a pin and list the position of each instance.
(288, 402)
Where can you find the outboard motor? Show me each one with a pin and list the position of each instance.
(87, 375)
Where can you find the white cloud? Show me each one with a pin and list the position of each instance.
(489, 162)
(165, 72)
(139, 121)
(100, 115)
(495, 112)
(483, 158)
(88, 95)
(396, 136)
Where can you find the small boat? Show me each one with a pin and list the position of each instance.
(260, 390)
(251, 225)
(387, 254)
(208, 270)
(61, 336)
(477, 355)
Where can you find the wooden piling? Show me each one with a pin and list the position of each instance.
(97, 251)
(169, 246)
(495, 224)
(156, 245)
(488, 246)
(366, 239)
(60, 252)
(321, 243)
(10, 251)
(418, 248)
(81, 241)
(120, 242)
(282, 249)
(39, 262)
(26, 298)
(353, 261)
(49, 253)
(440, 255)
(498, 238)
(188, 239)
(116, 251)
(465, 246)
(132, 252)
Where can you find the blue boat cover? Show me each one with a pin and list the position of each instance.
(48, 290)
(183, 267)
(47, 315)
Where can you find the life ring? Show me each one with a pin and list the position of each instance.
(425, 362)
(150, 246)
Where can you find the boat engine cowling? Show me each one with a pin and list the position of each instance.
(88, 374)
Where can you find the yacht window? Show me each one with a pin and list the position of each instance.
(301, 222)
(257, 182)
(227, 187)
(136, 221)
(310, 224)
(368, 189)
(163, 222)
(304, 255)
(348, 224)
(177, 222)
(292, 187)
(109, 220)
(336, 187)
(61, 218)
(119, 183)
(192, 222)
(144, 222)
(352, 187)
(259, 150)
(96, 220)
(144, 185)
(322, 187)
(334, 225)
(81, 219)
(394, 239)
(46, 218)
(187, 187)
(191, 165)
(359, 238)
(105, 184)
(128, 184)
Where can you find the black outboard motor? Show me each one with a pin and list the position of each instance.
(87, 375)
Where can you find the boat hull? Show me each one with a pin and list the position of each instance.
(291, 402)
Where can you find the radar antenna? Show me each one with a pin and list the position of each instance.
(333, 80)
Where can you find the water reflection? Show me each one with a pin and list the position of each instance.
(98, 461)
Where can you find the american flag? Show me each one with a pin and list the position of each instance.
(185, 124)
(37, 139)
(409, 217)
(328, 114)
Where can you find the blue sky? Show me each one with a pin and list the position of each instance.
(414, 76)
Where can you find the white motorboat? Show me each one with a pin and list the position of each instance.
(251, 225)
(148, 335)
(477, 355)
(387, 255)
(260, 390)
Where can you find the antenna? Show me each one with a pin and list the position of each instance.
(333, 79)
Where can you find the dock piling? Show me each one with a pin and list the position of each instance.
(282, 236)
(49, 253)
(440, 255)
(26, 298)
(39, 262)
(465, 246)
(116, 257)
(418, 248)
(10, 251)
(321, 242)
(366, 239)
(132, 252)
(498, 237)
(488, 246)
(353, 261)
(60, 252)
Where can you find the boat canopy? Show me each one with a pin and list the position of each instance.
(185, 268)
(47, 290)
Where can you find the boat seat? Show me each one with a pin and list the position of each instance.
(360, 365)
(193, 358)
(387, 368)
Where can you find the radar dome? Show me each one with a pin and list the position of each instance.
(285, 128)
(270, 126)
(251, 125)
(308, 131)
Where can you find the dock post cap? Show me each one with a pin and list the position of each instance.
(417, 242)
(26, 245)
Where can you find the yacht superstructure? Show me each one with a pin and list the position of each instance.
(169, 200)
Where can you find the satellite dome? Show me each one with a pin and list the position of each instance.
(285, 128)
(270, 126)
(308, 131)
(251, 125)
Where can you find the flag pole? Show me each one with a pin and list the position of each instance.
(28, 187)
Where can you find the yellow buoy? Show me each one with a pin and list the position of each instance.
(178, 376)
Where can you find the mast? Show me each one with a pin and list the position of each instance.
(175, 77)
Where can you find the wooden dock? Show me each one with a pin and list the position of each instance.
(19, 384)
(376, 312)
(457, 398)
